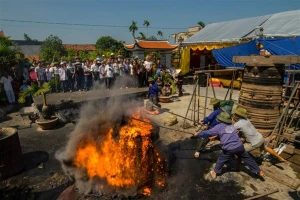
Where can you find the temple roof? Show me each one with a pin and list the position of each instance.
(150, 44)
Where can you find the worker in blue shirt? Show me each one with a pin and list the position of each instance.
(211, 119)
(153, 91)
(231, 145)
(213, 116)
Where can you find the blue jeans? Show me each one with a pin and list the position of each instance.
(10, 96)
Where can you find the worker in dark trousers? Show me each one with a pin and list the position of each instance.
(231, 145)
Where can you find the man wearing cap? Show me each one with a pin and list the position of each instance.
(153, 91)
(109, 72)
(95, 70)
(179, 81)
(212, 120)
(231, 145)
(79, 75)
(252, 136)
(63, 77)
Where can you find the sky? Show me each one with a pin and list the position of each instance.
(168, 16)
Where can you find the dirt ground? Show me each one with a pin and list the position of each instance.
(42, 178)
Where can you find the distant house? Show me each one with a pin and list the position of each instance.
(30, 49)
(182, 36)
(2, 34)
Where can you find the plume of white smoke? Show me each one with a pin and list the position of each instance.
(96, 118)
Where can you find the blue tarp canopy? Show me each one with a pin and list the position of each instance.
(279, 46)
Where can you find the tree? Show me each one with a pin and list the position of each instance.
(133, 28)
(142, 37)
(159, 33)
(108, 44)
(52, 47)
(8, 54)
(27, 38)
(146, 23)
(36, 90)
(201, 23)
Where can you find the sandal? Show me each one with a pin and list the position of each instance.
(260, 173)
(213, 174)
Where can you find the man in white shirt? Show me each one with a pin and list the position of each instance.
(109, 71)
(102, 74)
(95, 70)
(6, 81)
(252, 136)
(148, 67)
(40, 73)
(88, 81)
(63, 77)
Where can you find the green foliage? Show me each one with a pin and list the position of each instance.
(36, 90)
(106, 45)
(8, 54)
(160, 33)
(147, 24)
(133, 28)
(142, 37)
(201, 23)
(51, 48)
(27, 38)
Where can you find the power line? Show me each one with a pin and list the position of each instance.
(87, 25)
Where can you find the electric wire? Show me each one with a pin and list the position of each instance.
(85, 25)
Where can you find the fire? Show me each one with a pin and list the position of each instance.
(129, 161)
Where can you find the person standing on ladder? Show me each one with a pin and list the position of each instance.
(253, 138)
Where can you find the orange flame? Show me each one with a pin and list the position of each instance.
(123, 163)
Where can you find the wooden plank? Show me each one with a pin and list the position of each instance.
(271, 61)
(289, 149)
(280, 177)
(263, 194)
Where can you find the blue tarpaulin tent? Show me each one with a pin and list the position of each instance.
(278, 46)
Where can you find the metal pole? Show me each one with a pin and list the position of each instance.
(205, 103)
(212, 85)
(198, 107)
(217, 70)
(187, 111)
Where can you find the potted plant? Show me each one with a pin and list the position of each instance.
(46, 122)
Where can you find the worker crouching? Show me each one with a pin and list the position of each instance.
(231, 145)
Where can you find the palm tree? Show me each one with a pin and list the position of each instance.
(146, 23)
(143, 36)
(201, 23)
(159, 33)
(133, 28)
(36, 90)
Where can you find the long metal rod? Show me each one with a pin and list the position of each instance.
(212, 85)
(205, 103)
(217, 70)
(152, 123)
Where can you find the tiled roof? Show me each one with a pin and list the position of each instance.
(81, 47)
(2, 33)
(35, 57)
(146, 44)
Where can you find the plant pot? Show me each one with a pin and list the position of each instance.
(46, 112)
(164, 99)
(47, 124)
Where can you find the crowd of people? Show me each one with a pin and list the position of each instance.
(103, 72)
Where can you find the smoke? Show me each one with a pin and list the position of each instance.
(96, 118)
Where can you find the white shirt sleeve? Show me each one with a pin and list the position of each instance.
(238, 124)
